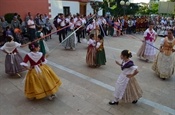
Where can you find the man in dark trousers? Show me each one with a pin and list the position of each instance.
(61, 24)
(78, 23)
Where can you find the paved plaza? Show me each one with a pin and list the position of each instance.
(87, 91)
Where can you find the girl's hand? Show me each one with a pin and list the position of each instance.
(117, 62)
(129, 75)
(132, 75)
(161, 50)
(28, 68)
(22, 46)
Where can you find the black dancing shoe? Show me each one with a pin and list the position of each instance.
(163, 78)
(134, 102)
(113, 103)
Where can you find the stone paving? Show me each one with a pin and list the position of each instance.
(87, 91)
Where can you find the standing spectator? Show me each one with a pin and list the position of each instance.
(61, 24)
(37, 19)
(2, 40)
(31, 28)
(42, 23)
(130, 24)
(15, 24)
(27, 17)
(3, 23)
(83, 19)
(48, 27)
(78, 23)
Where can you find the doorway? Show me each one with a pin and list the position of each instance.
(82, 8)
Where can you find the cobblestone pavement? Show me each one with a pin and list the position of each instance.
(87, 91)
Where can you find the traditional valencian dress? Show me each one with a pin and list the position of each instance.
(41, 80)
(91, 53)
(13, 58)
(147, 50)
(72, 40)
(100, 55)
(43, 46)
(126, 88)
(164, 66)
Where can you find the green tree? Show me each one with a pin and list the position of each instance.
(115, 9)
(146, 10)
(143, 10)
(154, 8)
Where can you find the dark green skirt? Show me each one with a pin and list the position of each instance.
(101, 57)
(42, 47)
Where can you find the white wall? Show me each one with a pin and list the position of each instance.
(57, 7)
(89, 9)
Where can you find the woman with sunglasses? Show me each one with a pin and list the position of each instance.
(164, 64)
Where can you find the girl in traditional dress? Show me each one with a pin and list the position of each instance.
(43, 46)
(164, 66)
(173, 29)
(127, 88)
(91, 52)
(70, 42)
(100, 55)
(147, 50)
(13, 58)
(41, 81)
(117, 27)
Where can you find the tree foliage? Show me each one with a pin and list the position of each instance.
(149, 9)
(115, 9)
(154, 8)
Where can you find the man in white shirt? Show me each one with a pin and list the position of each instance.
(78, 23)
(100, 23)
(67, 21)
(83, 18)
(130, 25)
(104, 23)
(62, 23)
(31, 28)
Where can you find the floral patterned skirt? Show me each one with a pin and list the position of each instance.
(164, 65)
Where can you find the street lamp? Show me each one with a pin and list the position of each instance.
(124, 5)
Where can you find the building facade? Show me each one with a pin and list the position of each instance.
(71, 6)
(22, 7)
(49, 7)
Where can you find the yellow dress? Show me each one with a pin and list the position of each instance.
(41, 81)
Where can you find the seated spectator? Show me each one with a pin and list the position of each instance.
(3, 23)
(8, 31)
